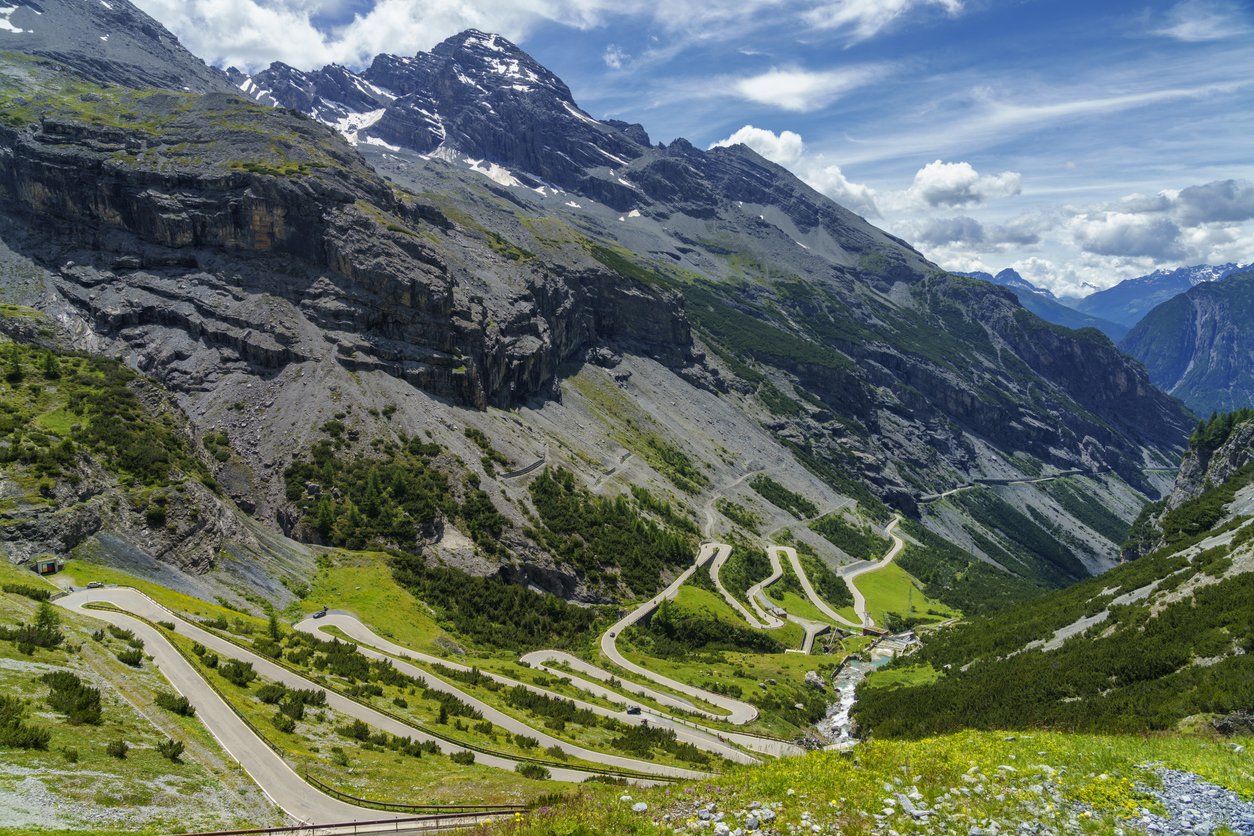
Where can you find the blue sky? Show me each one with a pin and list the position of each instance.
(1080, 142)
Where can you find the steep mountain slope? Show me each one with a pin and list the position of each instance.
(107, 42)
(1043, 303)
(1145, 646)
(1129, 301)
(1199, 346)
(662, 317)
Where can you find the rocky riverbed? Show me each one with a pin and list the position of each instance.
(837, 727)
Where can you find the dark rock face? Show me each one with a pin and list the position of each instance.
(213, 235)
(1199, 346)
(1204, 467)
(968, 363)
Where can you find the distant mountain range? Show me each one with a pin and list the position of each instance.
(1192, 327)
(1044, 304)
(1199, 345)
(1128, 302)
(1117, 309)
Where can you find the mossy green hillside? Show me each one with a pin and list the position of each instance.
(58, 410)
(262, 140)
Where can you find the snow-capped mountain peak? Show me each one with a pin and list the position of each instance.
(458, 102)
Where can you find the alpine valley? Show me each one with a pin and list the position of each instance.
(407, 444)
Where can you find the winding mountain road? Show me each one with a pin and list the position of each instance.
(738, 712)
(375, 646)
(273, 775)
(716, 569)
(818, 602)
(853, 572)
(765, 619)
(306, 804)
(1066, 474)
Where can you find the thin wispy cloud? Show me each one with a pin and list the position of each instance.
(614, 57)
(1206, 20)
(861, 20)
(988, 119)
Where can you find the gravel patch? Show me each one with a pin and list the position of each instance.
(1197, 806)
(1031, 802)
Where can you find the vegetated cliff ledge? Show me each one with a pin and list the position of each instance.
(139, 197)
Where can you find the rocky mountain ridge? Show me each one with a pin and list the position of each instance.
(475, 97)
(107, 42)
(1221, 448)
(1044, 304)
(1199, 346)
(1167, 631)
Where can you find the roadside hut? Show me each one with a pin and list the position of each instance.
(47, 565)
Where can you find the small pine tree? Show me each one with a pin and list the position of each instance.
(13, 370)
(51, 368)
(170, 749)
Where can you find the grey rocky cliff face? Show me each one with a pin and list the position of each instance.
(111, 42)
(296, 284)
(332, 240)
(1204, 467)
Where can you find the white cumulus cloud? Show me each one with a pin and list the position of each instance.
(788, 149)
(952, 185)
(1220, 200)
(252, 33)
(785, 147)
(614, 57)
(1124, 234)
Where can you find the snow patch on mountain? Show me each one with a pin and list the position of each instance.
(351, 124)
(579, 114)
(374, 140)
(5, 23)
(494, 172)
